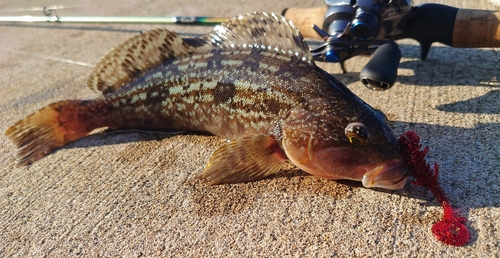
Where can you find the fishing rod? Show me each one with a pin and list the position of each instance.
(50, 16)
(349, 28)
(186, 20)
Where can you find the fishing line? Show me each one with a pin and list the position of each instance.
(53, 58)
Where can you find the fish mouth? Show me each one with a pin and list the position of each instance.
(391, 175)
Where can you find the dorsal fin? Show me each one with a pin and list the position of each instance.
(269, 32)
(144, 51)
(136, 55)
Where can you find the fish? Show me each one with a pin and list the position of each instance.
(253, 81)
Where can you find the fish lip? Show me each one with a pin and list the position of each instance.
(391, 175)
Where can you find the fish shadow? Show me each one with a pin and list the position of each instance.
(469, 165)
(465, 166)
(114, 137)
(468, 175)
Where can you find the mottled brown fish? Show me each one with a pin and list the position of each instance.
(253, 81)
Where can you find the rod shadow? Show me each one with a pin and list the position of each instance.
(444, 66)
(486, 104)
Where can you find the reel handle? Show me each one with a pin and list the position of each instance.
(381, 72)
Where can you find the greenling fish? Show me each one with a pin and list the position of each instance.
(253, 81)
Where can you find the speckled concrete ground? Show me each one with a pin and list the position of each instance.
(136, 193)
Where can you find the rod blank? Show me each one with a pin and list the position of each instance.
(201, 20)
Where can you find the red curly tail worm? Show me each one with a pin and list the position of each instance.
(451, 229)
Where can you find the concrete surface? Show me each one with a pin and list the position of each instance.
(137, 194)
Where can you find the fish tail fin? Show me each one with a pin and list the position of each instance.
(50, 128)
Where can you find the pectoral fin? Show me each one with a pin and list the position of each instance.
(244, 160)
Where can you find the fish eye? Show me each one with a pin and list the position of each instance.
(357, 134)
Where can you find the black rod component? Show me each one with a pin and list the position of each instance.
(430, 23)
(381, 71)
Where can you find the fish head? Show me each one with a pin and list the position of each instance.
(332, 145)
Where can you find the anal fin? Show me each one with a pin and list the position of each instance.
(244, 160)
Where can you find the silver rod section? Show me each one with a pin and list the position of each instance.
(201, 20)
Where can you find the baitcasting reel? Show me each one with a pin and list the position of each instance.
(369, 27)
(357, 27)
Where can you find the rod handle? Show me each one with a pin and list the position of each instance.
(305, 18)
(476, 28)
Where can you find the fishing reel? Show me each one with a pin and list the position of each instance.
(370, 27)
(364, 27)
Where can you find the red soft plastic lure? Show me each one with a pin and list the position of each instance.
(451, 229)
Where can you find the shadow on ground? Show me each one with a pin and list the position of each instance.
(450, 146)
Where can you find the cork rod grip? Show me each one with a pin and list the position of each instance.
(304, 19)
(476, 28)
